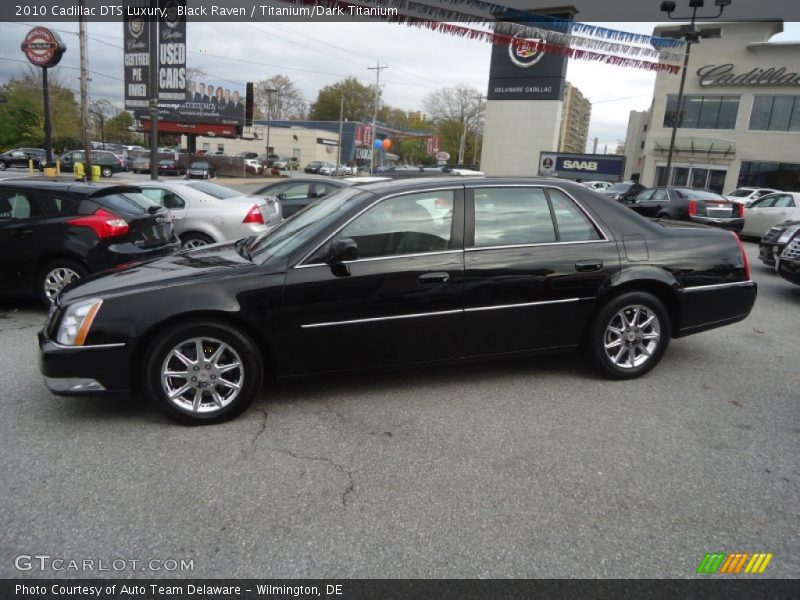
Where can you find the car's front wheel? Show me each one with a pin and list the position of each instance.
(55, 276)
(107, 172)
(202, 373)
(628, 336)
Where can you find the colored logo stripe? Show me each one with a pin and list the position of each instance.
(734, 562)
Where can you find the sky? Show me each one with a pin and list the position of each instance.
(314, 55)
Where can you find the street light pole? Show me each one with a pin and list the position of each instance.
(269, 92)
(689, 35)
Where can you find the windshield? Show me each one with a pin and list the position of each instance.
(306, 224)
(740, 193)
(619, 187)
(214, 189)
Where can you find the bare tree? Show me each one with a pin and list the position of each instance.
(285, 102)
(458, 112)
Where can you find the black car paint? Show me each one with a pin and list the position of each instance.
(318, 317)
(20, 157)
(26, 245)
(769, 247)
(673, 203)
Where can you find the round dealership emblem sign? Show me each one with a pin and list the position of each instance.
(525, 51)
(547, 163)
(43, 47)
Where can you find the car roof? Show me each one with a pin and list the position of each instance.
(422, 183)
(83, 189)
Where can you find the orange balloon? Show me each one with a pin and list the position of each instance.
(387, 144)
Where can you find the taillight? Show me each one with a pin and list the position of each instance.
(105, 224)
(744, 255)
(692, 208)
(254, 216)
(740, 209)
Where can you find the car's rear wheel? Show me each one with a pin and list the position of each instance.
(55, 276)
(628, 336)
(107, 172)
(195, 240)
(202, 373)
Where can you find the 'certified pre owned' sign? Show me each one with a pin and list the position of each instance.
(43, 47)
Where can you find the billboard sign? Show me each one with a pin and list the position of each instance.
(172, 53)
(136, 56)
(587, 167)
(520, 70)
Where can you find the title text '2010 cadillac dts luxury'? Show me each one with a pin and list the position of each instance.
(396, 273)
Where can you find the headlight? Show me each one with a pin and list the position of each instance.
(76, 322)
(788, 233)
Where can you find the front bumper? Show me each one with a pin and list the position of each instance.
(85, 370)
(789, 269)
(731, 223)
(767, 253)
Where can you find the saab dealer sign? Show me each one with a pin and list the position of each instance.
(599, 167)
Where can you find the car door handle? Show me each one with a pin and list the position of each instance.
(433, 278)
(584, 266)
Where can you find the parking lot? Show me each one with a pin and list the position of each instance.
(523, 468)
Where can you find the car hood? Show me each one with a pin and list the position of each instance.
(189, 266)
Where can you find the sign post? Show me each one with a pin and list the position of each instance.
(44, 48)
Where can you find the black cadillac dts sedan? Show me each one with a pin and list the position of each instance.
(393, 273)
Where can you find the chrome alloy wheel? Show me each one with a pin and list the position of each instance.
(632, 336)
(58, 279)
(193, 243)
(202, 375)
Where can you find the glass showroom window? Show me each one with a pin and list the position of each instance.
(780, 176)
(775, 113)
(703, 112)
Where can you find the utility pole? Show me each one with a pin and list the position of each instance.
(153, 85)
(339, 145)
(269, 119)
(87, 147)
(377, 70)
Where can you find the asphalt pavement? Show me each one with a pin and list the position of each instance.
(521, 468)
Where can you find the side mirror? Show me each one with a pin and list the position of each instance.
(341, 250)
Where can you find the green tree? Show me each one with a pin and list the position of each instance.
(118, 128)
(359, 101)
(22, 113)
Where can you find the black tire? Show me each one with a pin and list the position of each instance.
(3, 166)
(106, 171)
(599, 333)
(249, 375)
(195, 239)
(47, 278)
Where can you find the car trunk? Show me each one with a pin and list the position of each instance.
(149, 225)
(150, 229)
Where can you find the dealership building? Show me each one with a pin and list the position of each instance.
(740, 120)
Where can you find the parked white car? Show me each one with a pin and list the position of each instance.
(597, 185)
(770, 210)
(747, 195)
(252, 163)
(206, 213)
(344, 170)
(327, 169)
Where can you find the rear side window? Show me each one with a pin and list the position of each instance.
(126, 203)
(16, 204)
(699, 195)
(573, 224)
(512, 216)
(55, 204)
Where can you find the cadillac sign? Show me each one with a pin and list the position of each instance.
(758, 77)
(525, 52)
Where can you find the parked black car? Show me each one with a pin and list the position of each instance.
(788, 263)
(313, 167)
(107, 161)
(19, 157)
(296, 194)
(169, 166)
(623, 191)
(775, 240)
(689, 204)
(397, 273)
(52, 233)
(201, 169)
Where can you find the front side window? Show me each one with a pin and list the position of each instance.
(409, 224)
(766, 201)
